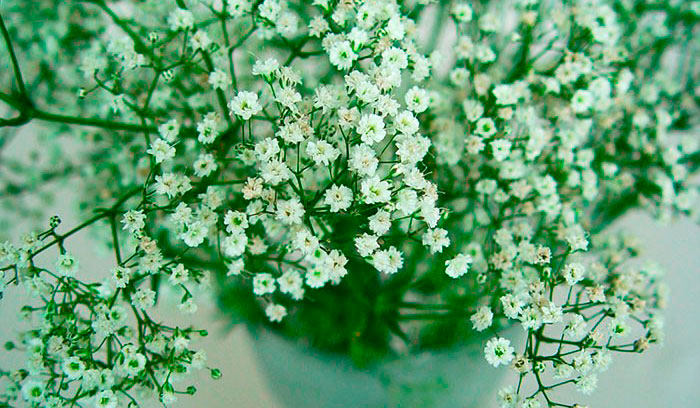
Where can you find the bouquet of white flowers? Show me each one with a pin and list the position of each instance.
(372, 177)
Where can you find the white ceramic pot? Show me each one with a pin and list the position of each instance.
(302, 377)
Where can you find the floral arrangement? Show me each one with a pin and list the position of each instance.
(371, 177)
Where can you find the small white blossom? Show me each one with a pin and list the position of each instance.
(482, 318)
(498, 351)
(458, 266)
(388, 261)
(341, 55)
(275, 312)
(161, 150)
(338, 197)
(245, 104)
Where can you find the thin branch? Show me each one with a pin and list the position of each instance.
(13, 59)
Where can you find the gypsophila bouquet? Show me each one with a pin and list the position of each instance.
(371, 177)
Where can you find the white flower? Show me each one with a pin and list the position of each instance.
(106, 399)
(375, 190)
(406, 123)
(275, 312)
(458, 266)
(143, 298)
(245, 104)
(219, 79)
(322, 152)
(462, 12)
(194, 234)
(204, 165)
(335, 263)
(263, 283)
(341, 55)
(363, 160)
(417, 99)
(179, 275)
(294, 132)
(412, 149)
(388, 261)
(395, 29)
(209, 128)
(134, 363)
(267, 149)
(275, 172)
(290, 211)
(576, 237)
(318, 26)
(161, 150)
(291, 283)
(316, 278)
(235, 267)
(586, 384)
(200, 40)
(73, 368)
(171, 184)
(576, 327)
(234, 245)
(485, 127)
(169, 130)
(33, 391)
(67, 265)
(180, 19)
(573, 273)
(235, 221)
(188, 306)
(407, 202)
(582, 101)
(358, 37)
(531, 403)
(394, 58)
(505, 94)
(121, 276)
(305, 242)
(482, 318)
(267, 68)
(500, 148)
(498, 351)
(436, 239)
(371, 129)
(288, 97)
(366, 244)
(380, 223)
(338, 197)
(507, 397)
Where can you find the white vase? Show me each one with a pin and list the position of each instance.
(301, 377)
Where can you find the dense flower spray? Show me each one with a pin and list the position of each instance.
(375, 176)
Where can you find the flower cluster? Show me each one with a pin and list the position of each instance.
(355, 174)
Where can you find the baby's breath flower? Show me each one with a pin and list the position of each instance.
(341, 55)
(482, 319)
(180, 19)
(498, 351)
(338, 198)
(245, 105)
(263, 284)
(143, 298)
(275, 312)
(458, 266)
(67, 265)
(161, 150)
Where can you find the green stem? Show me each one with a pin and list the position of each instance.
(13, 59)
(100, 123)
